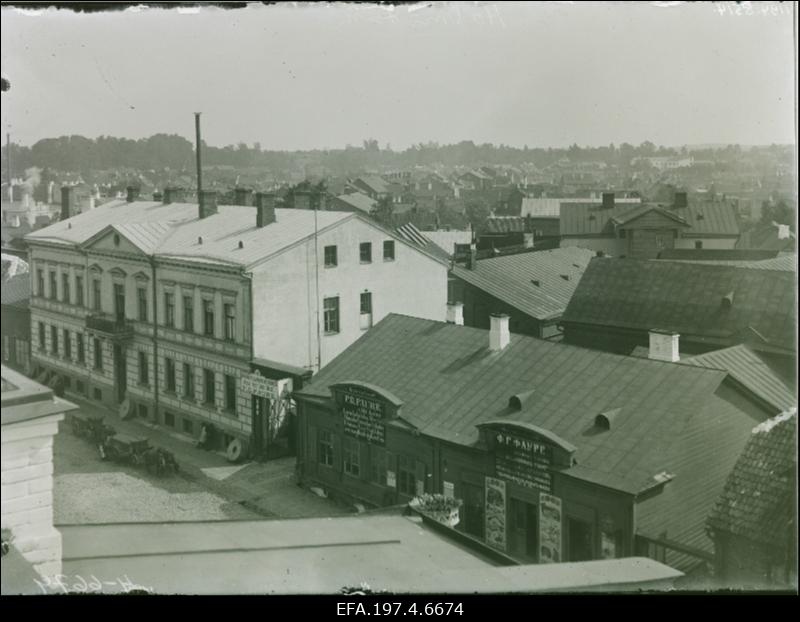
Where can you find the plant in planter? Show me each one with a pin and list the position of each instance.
(437, 506)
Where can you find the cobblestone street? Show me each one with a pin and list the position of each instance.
(89, 490)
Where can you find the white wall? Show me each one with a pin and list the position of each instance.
(285, 300)
(27, 491)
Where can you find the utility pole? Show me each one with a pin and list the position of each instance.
(197, 153)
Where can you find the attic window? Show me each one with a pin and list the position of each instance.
(536, 282)
(604, 420)
(241, 244)
(727, 300)
(515, 402)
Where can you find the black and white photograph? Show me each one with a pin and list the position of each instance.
(400, 304)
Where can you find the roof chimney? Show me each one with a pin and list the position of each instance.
(265, 209)
(302, 200)
(208, 203)
(680, 200)
(66, 202)
(499, 335)
(608, 200)
(455, 313)
(664, 346)
(133, 193)
(173, 194)
(472, 260)
(242, 196)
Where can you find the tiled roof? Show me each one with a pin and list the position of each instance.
(450, 381)
(17, 290)
(747, 368)
(359, 200)
(578, 219)
(758, 500)
(532, 282)
(688, 298)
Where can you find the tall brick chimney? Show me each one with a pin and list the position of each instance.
(133, 193)
(207, 204)
(66, 202)
(242, 196)
(265, 209)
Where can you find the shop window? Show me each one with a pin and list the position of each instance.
(188, 427)
(388, 250)
(98, 395)
(331, 259)
(473, 510)
(580, 540)
(351, 457)
(406, 476)
(378, 465)
(610, 544)
(169, 419)
(365, 252)
(325, 449)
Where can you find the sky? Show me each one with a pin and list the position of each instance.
(323, 76)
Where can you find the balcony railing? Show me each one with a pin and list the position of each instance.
(110, 325)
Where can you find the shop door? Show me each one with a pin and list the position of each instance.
(581, 545)
(260, 424)
(524, 530)
(473, 510)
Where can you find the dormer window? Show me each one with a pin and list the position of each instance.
(605, 420)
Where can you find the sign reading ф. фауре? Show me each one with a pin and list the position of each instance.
(363, 414)
(523, 461)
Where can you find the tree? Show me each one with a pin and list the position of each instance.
(383, 210)
(477, 213)
(778, 212)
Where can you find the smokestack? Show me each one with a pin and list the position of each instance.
(455, 313)
(208, 203)
(242, 196)
(265, 209)
(608, 200)
(173, 194)
(664, 346)
(133, 194)
(499, 335)
(680, 200)
(199, 163)
(66, 202)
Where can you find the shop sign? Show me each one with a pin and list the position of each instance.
(549, 529)
(256, 384)
(495, 513)
(363, 414)
(523, 461)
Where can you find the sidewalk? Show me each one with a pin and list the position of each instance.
(268, 488)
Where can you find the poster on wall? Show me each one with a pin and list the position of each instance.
(495, 512)
(549, 529)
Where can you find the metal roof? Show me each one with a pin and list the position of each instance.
(746, 367)
(532, 282)
(358, 200)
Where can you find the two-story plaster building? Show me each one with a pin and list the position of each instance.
(168, 309)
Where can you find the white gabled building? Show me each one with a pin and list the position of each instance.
(168, 308)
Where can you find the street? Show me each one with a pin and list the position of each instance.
(207, 487)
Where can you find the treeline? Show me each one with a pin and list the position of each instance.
(163, 151)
